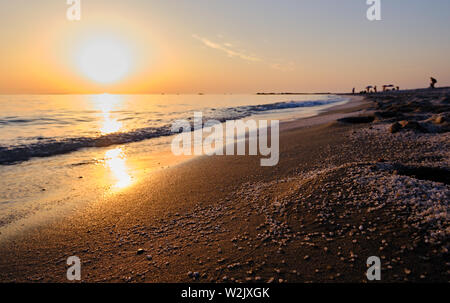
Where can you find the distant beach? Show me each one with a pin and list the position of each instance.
(362, 178)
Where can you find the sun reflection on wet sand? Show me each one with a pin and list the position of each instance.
(115, 160)
(107, 103)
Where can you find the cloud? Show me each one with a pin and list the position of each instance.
(227, 49)
(284, 67)
(232, 52)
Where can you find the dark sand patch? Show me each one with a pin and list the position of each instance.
(358, 120)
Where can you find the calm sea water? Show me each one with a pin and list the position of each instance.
(60, 151)
(35, 126)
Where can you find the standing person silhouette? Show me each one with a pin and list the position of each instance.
(433, 82)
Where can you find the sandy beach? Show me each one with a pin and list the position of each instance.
(345, 189)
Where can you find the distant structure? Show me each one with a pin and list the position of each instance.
(433, 82)
(385, 87)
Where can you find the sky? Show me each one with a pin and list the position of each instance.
(222, 46)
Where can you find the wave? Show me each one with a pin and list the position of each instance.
(15, 120)
(289, 104)
(47, 147)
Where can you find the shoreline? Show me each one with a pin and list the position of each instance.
(139, 166)
(231, 220)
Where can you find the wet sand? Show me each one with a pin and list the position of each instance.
(342, 192)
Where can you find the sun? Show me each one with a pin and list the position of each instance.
(104, 60)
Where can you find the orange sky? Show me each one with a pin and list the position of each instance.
(228, 46)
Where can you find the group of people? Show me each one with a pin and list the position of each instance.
(374, 89)
(390, 87)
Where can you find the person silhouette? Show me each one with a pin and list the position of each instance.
(433, 82)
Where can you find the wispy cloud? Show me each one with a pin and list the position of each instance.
(228, 49)
(283, 66)
(233, 52)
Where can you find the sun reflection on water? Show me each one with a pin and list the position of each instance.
(109, 125)
(115, 160)
(106, 104)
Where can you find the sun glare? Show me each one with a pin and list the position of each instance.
(106, 104)
(104, 60)
(116, 161)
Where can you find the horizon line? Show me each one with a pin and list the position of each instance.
(204, 93)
